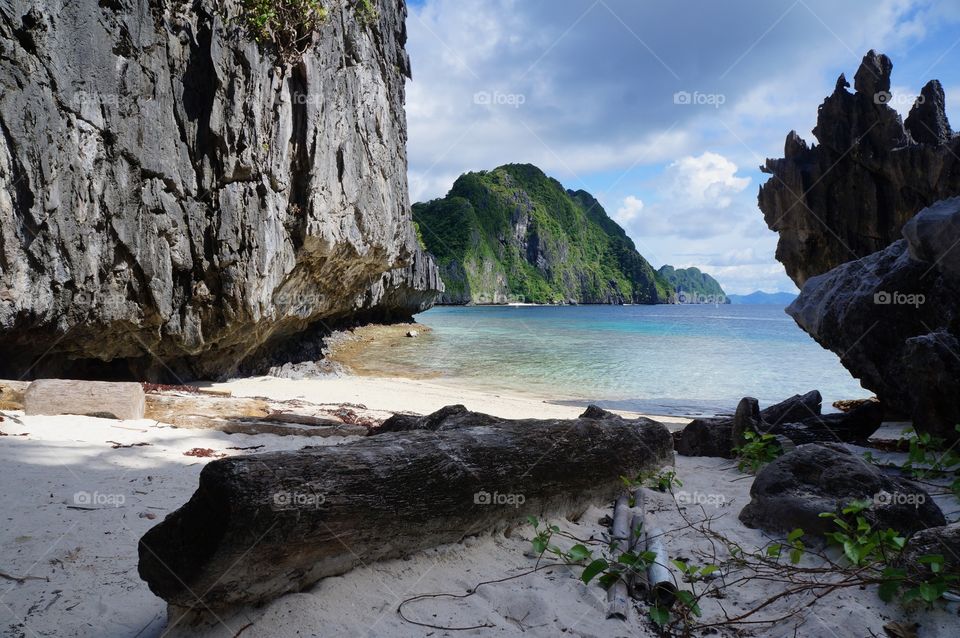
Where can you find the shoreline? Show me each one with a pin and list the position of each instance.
(421, 396)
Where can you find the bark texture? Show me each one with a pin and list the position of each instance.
(263, 525)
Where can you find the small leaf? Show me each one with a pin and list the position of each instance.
(888, 589)
(659, 615)
(929, 592)
(539, 545)
(794, 535)
(709, 569)
(608, 579)
(578, 552)
(594, 568)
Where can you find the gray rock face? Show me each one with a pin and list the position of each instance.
(793, 490)
(173, 202)
(850, 195)
(894, 319)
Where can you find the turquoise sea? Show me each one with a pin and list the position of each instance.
(670, 359)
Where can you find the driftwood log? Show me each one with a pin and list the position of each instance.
(262, 525)
(117, 400)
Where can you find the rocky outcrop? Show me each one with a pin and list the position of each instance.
(849, 195)
(894, 319)
(795, 421)
(174, 201)
(793, 490)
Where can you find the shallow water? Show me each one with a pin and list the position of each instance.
(669, 359)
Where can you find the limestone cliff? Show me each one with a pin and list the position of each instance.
(850, 195)
(177, 201)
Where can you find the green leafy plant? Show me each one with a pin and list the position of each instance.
(543, 544)
(929, 590)
(288, 25)
(366, 13)
(874, 549)
(757, 450)
(794, 546)
(861, 542)
(659, 480)
(681, 606)
(931, 457)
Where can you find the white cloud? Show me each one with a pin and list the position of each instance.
(708, 179)
(629, 210)
(695, 196)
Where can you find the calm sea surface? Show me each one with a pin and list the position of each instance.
(669, 359)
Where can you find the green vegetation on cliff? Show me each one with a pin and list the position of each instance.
(514, 234)
(693, 285)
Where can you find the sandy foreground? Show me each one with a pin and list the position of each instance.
(76, 501)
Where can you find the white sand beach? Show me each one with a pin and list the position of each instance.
(88, 488)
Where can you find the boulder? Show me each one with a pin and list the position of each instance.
(446, 418)
(596, 412)
(893, 318)
(850, 194)
(796, 408)
(943, 541)
(793, 490)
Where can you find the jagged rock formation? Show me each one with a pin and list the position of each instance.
(514, 234)
(176, 202)
(693, 285)
(850, 195)
(894, 319)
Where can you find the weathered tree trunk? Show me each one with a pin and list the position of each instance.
(262, 525)
(120, 400)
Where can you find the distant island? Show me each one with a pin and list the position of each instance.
(515, 235)
(763, 298)
(693, 286)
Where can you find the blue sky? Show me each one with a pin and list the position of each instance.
(586, 90)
